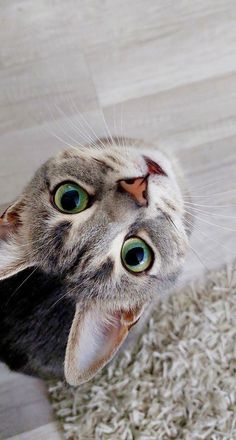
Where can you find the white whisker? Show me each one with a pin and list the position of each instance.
(23, 282)
(87, 139)
(122, 127)
(193, 250)
(211, 195)
(75, 109)
(110, 138)
(209, 238)
(78, 114)
(209, 206)
(59, 138)
(50, 132)
(210, 223)
(213, 214)
(59, 125)
(115, 126)
(57, 301)
(196, 253)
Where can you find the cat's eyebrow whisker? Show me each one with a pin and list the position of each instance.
(87, 138)
(56, 136)
(114, 123)
(59, 125)
(115, 126)
(122, 127)
(120, 136)
(91, 142)
(50, 132)
(81, 126)
(110, 138)
(63, 141)
(98, 145)
(114, 118)
(75, 109)
(210, 223)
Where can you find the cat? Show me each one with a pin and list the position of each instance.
(96, 236)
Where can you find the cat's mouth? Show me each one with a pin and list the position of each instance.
(95, 337)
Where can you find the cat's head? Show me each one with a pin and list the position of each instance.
(110, 222)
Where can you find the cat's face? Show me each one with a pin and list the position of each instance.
(111, 223)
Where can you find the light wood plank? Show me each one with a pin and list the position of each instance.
(46, 432)
(40, 62)
(178, 119)
(23, 404)
(141, 50)
(183, 117)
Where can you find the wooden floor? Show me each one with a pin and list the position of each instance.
(158, 69)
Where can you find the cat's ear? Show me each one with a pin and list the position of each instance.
(12, 252)
(95, 337)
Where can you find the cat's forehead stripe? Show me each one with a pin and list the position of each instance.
(103, 273)
(114, 159)
(104, 164)
(82, 253)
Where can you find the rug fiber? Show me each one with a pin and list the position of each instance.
(179, 382)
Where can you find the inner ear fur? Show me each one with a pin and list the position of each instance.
(13, 255)
(10, 220)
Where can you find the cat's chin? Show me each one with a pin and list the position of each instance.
(95, 337)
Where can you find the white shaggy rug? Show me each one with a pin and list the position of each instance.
(179, 382)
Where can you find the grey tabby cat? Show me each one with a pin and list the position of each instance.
(96, 236)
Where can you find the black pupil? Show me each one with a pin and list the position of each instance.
(134, 256)
(70, 200)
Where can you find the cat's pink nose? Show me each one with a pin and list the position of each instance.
(137, 188)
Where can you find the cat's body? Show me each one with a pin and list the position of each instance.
(36, 318)
(94, 238)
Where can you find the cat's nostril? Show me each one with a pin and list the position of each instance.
(136, 188)
(153, 167)
(129, 181)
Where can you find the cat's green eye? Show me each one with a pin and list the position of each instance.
(136, 255)
(70, 198)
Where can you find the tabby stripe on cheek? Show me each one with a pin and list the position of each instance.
(57, 237)
(81, 254)
(90, 280)
(103, 273)
(60, 233)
